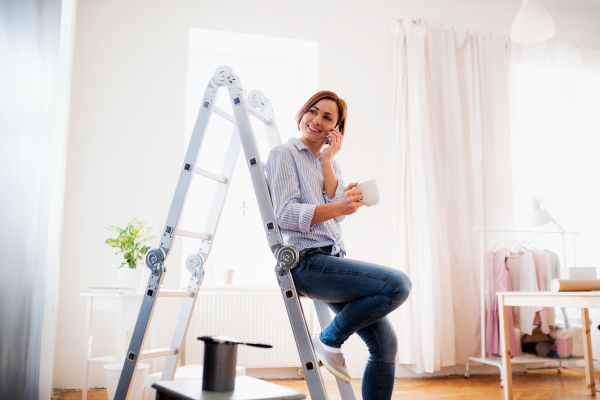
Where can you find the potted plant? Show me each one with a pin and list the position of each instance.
(130, 242)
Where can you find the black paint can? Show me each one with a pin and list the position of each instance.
(220, 360)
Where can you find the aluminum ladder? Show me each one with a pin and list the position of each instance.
(287, 257)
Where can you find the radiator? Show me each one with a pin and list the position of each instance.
(250, 315)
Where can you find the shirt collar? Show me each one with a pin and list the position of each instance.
(301, 146)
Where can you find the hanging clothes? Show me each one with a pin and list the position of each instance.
(522, 278)
(542, 266)
(498, 282)
(525, 270)
(554, 263)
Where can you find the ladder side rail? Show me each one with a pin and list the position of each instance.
(308, 358)
(273, 135)
(211, 225)
(252, 158)
(257, 99)
(187, 308)
(155, 258)
(140, 332)
(324, 315)
(310, 364)
(221, 191)
(187, 170)
(181, 329)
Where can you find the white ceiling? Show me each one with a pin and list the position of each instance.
(577, 21)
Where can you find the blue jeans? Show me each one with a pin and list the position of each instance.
(361, 294)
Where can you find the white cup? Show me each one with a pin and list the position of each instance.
(370, 192)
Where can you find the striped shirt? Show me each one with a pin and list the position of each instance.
(297, 187)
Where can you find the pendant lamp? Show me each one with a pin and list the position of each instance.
(533, 24)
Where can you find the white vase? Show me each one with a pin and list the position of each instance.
(112, 372)
(227, 276)
(131, 277)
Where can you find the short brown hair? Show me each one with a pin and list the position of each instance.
(341, 104)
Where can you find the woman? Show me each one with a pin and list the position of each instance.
(310, 202)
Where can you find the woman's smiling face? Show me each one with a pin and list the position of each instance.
(321, 118)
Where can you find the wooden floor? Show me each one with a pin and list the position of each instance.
(541, 384)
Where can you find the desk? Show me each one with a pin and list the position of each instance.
(246, 388)
(583, 300)
(121, 304)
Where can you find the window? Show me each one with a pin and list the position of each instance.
(285, 71)
(555, 142)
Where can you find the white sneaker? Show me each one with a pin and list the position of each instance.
(334, 362)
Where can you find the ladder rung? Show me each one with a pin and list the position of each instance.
(175, 293)
(153, 353)
(224, 114)
(254, 111)
(210, 175)
(260, 115)
(203, 236)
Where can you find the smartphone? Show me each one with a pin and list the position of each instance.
(328, 141)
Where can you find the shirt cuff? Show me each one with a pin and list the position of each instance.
(307, 211)
(338, 193)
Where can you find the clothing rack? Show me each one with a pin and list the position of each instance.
(497, 361)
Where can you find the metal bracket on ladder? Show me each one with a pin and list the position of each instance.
(287, 257)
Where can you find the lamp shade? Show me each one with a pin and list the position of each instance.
(533, 24)
(538, 216)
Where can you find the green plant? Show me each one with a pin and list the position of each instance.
(130, 241)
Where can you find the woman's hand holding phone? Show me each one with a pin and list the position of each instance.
(334, 140)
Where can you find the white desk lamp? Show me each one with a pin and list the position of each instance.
(539, 216)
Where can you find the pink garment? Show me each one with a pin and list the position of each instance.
(541, 317)
(563, 347)
(498, 282)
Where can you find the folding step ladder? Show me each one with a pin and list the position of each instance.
(287, 256)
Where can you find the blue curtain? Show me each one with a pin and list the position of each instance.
(29, 45)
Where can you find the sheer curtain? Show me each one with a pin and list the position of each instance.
(451, 152)
(31, 169)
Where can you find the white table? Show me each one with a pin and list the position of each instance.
(583, 300)
(118, 303)
(246, 388)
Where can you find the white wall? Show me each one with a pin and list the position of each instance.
(127, 121)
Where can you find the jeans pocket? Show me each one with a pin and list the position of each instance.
(308, 252)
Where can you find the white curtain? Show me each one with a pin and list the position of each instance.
(451, 152)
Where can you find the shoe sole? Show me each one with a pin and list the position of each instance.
(336, 373)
